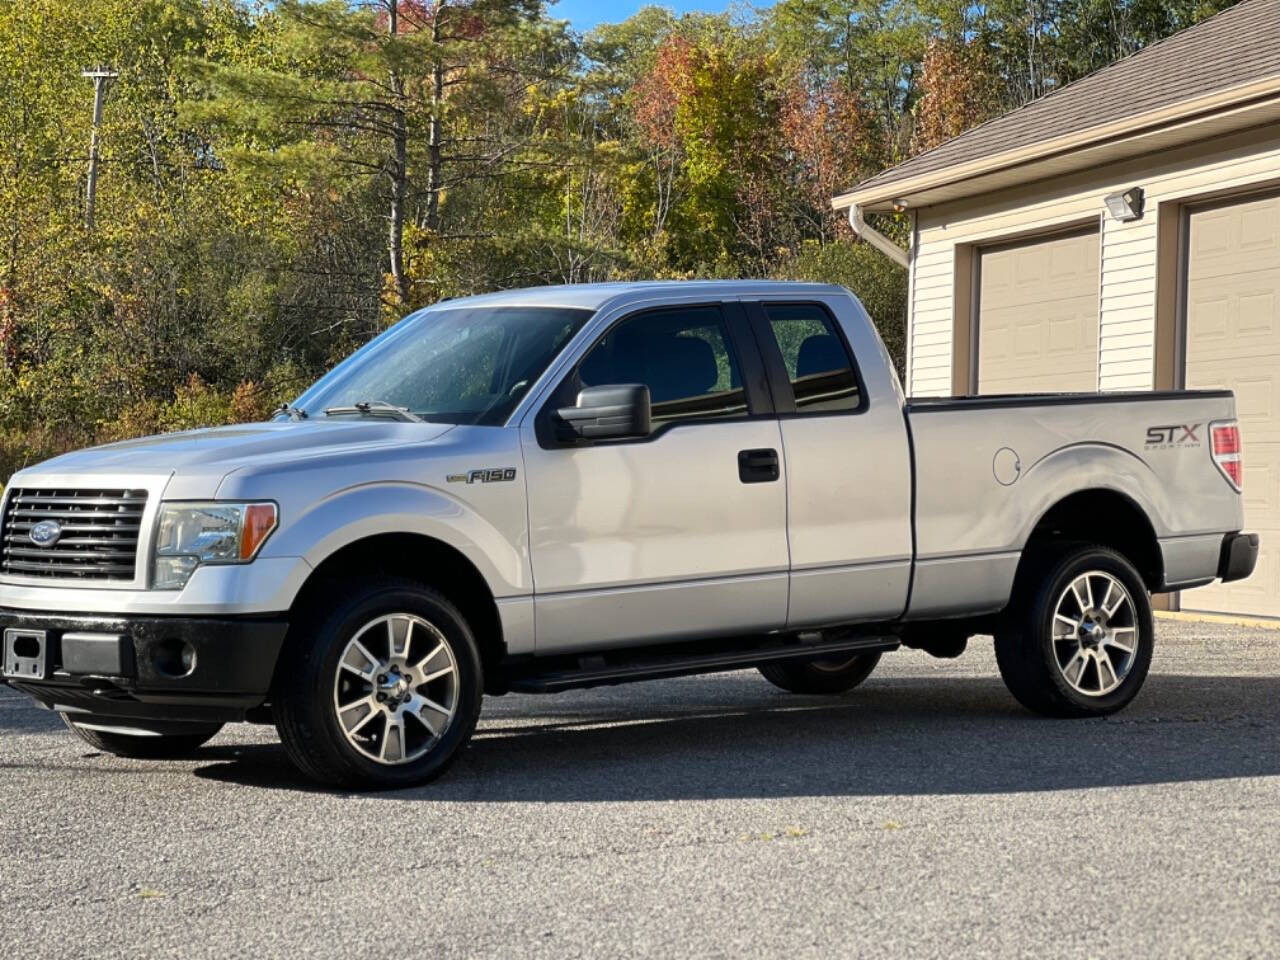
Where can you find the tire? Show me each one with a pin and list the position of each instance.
(141, 746)
(354, 711)
(1058, 670)
(831, 675)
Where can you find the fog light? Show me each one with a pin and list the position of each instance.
(173, 658)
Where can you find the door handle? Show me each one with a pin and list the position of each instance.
(758, 466)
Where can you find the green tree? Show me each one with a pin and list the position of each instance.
(381, 96)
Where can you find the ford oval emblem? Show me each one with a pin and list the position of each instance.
(45, 533)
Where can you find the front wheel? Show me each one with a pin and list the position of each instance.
(139, 743)
(381, 689)
(824, 675)
(1080, 644)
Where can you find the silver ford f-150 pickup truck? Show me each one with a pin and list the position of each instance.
(569, 486)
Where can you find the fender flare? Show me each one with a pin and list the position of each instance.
(1089, 467)
(369, 510)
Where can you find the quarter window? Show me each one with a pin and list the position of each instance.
(683, 356)
(817, 362)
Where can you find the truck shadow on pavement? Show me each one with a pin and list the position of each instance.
(735, 738)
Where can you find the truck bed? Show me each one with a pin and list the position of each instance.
(989, 468)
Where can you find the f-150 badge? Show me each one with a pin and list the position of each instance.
(496, 475)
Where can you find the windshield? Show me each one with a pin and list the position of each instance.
(467, 365)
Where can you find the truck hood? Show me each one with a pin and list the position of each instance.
(199, 459)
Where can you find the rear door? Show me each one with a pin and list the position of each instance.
(678, 534)
(847, 460)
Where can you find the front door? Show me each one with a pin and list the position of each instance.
(680, 534)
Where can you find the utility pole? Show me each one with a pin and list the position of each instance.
(100, 76)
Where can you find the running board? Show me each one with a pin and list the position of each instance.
(595, 671)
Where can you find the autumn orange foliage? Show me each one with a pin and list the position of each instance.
(960, 90)
(656, 96)
(831, 136)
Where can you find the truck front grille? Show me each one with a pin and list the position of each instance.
(97, 540)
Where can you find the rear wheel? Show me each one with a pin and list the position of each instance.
(825, 675)
(381, 689)
(137, 742)
(1080, 644)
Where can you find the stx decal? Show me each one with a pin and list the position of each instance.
(1173, 435)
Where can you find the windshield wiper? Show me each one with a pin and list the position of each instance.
(375, 408)
(295, 413)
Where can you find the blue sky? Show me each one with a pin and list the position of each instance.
(585, 14)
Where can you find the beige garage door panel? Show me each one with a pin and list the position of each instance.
(1233, 340)
(1038, 317)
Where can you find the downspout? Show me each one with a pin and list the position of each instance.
(877, 239)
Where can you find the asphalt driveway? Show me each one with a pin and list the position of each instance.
(925, 814)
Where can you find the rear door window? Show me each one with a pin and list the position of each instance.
(816, 359)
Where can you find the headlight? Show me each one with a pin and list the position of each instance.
(189, 534)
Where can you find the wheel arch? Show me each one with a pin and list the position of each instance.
(426, 559)
(1100, 515)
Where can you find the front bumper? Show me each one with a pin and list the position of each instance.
(259, 589)
(160, 668)
(1238, 557)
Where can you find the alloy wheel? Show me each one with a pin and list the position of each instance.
(1095, 633)
(396, 689)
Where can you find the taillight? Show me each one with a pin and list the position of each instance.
(1225, 441)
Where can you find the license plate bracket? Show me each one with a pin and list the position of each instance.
(26, 654)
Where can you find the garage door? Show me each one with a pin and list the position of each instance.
(1233, 340)
(1038, 316)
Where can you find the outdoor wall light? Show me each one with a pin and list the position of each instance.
(1127, 205)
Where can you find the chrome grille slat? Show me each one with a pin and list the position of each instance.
(70, 543)
(103, 571)
(42, 553)
(41, 514)
(20, 525)
(82, 501)
(101, 532)
(21, 531)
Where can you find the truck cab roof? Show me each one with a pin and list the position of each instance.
(593, 296)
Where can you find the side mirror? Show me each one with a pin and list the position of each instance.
(602, 413)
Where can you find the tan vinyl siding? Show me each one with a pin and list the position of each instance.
(931, 320)
(1128, 305)
(1128, 254)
